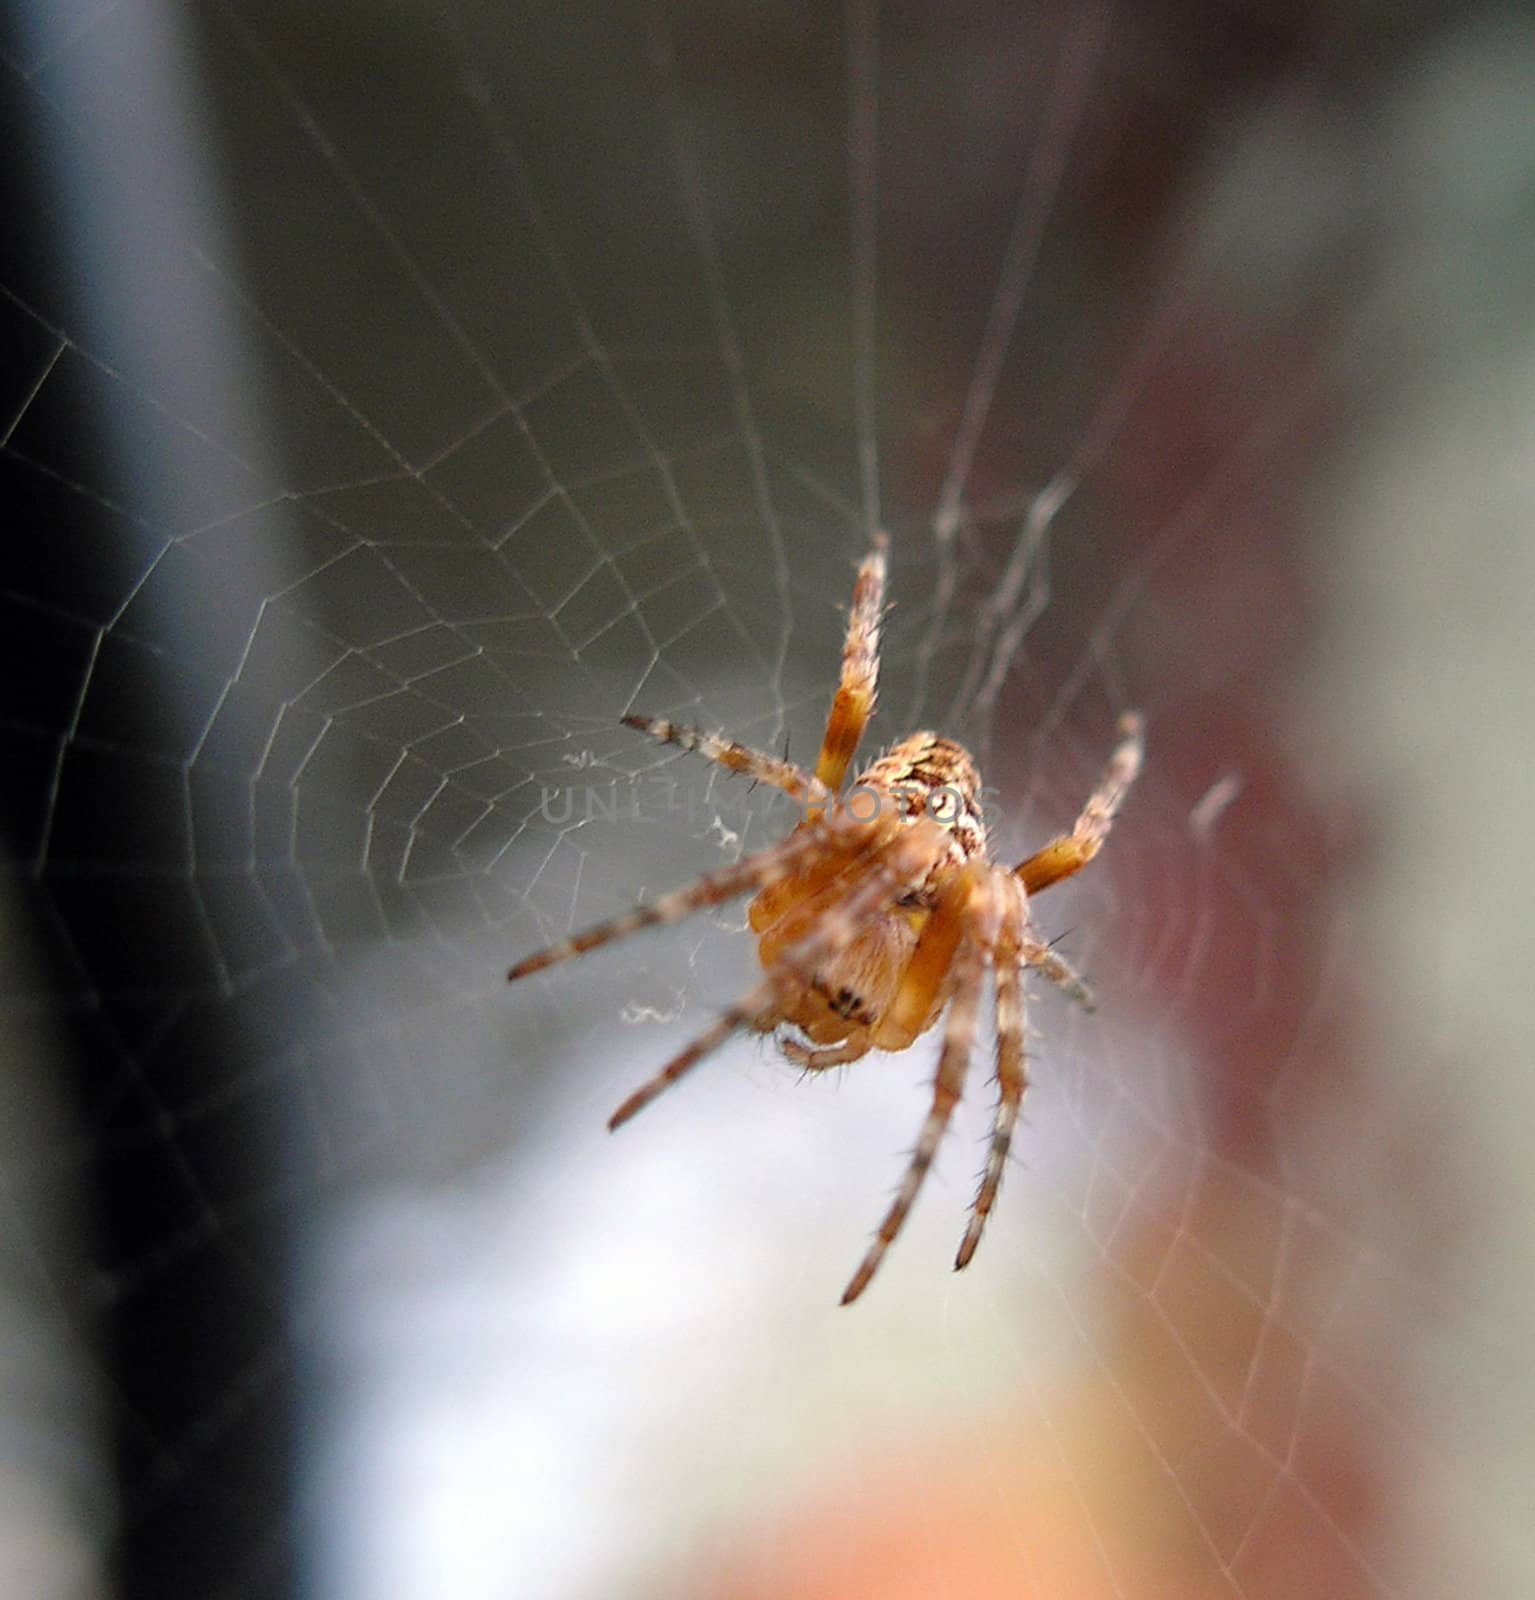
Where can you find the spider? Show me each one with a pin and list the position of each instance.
(878, 910)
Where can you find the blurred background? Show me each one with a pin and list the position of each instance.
(397, 395)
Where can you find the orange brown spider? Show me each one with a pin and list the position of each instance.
(880, 909)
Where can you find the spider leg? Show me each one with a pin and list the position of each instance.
(763, 867)
(831, 1055)
(854, 702)
(1072, 851)
(911, 1010)
(888, 867)
(980, 912)
(1012, 1079)
(1059, 971)
(750, 1005)
(755, 764)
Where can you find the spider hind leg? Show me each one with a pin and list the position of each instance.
(1012, 1081)
(976, 903)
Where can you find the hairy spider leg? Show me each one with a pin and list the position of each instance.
(977, 907)
(854, 702)
(818, 1058)
(764, 867)
(1012, 1074)
(751, 1005)
(757, 765)
(1072, 851)
(1059, 971)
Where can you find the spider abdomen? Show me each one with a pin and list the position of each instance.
(853, 990)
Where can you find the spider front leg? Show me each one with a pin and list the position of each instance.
(1072, 851)
(854, 702)
(759, 870)
(757, 765)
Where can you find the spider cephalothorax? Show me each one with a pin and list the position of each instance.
(879, 910)
(928, 775)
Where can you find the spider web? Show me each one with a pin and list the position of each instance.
(397, 397)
